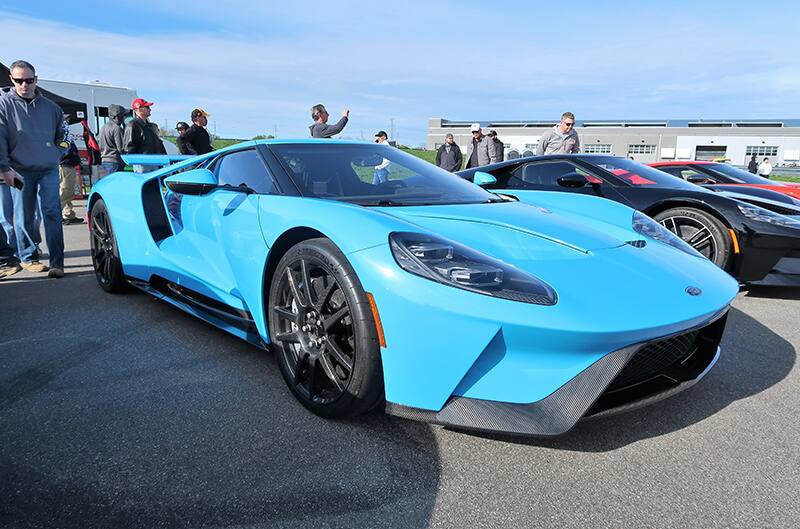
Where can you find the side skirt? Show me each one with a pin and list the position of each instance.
(238, 322)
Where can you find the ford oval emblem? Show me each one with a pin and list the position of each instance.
(693, 291)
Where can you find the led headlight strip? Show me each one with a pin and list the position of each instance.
(456, 265)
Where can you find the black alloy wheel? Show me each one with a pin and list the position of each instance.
(105, 253)
(701, 231)
(323, 331)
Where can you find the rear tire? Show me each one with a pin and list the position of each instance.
(702, 231)
(105, 253)
(323, 332)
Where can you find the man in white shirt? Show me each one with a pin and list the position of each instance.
(765, 168)
(382, 169)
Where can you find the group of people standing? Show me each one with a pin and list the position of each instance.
(761, 169)
(488, 149)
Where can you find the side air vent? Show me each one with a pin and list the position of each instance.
(639, 243)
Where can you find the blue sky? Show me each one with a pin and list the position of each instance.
(257, 66)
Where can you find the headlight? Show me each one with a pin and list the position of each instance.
(646, 226)
(765, 215)
(457, 266)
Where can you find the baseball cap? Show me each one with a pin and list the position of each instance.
(197, 112)
(139, 103)
(492, 133)
(475, 127)
(181, 125)
(381, 133)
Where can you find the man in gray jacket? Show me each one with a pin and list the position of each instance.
(112, 141)
(481, 150)
(561, 139)
(320, 127)
(448, 157)
(31, 133)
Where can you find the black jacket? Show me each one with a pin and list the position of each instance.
(141, 138)
(449, 162)
(199, 139)
(752, 166)
(184, 147)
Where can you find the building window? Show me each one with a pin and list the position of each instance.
(597, 148)
(762, 150)
(643, 148)
(531, 146)
(437, 145)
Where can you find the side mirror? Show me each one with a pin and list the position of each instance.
(697, 179)
(572, 180)
(194, 182)
(483, 179)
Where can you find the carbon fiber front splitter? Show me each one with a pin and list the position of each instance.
(578, 398)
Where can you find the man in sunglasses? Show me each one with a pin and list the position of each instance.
(31, 131)
(197, 136)
(561, 139)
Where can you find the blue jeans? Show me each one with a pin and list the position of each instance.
(110, 167)
(46, 185)
(13, 236)
(380, 176)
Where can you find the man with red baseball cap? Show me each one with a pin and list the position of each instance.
(141, 136)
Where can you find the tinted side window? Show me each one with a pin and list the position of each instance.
(674, 170)
(544, 174)
(244, 167)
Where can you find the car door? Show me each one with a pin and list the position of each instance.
(219, 249)
(544, 175)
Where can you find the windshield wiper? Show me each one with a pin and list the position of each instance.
(381, 203)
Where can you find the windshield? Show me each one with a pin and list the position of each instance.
(374, 175)
(637, 174)
(739, 176)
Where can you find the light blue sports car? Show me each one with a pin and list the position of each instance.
(380, 280)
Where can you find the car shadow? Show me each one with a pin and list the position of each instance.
(772, 292)
(124, 411)
(753, 359)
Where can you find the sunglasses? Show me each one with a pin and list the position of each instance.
(27, 80)
(569, 124)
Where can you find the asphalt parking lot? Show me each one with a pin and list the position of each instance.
(123, 412)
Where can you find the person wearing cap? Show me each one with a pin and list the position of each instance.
(320, 127)
(141, 136)
(184, 147)
(448, 157)
(499, 148)
(481, 149)
(560, 139)
(197, 136)
(112, 140)
(381, 174)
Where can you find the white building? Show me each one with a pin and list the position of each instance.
(647, 140)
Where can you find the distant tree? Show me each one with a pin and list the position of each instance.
(263, 137)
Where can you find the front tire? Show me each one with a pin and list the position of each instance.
(105, 253)
(704, 232)
(323, 332)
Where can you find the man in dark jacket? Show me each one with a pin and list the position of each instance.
(197, 136)
(753, 165)
(184, 147)
(69, 179)
(141, 136)
(320, 127)
(31, 130)
(111, 140)
(448, 157)
(499, 148)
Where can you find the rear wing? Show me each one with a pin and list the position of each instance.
(154, 161)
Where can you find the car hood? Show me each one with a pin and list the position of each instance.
(538, 226)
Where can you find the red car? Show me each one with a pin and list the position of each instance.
(724, 175)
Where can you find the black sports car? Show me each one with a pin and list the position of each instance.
(755, 245)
